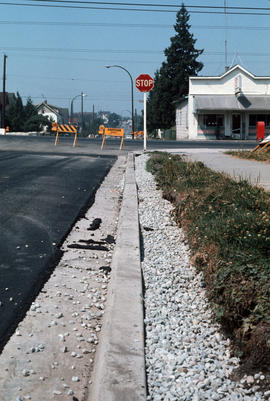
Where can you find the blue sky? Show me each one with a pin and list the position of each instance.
(56, 53)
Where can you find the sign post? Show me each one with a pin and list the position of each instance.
(144, 83)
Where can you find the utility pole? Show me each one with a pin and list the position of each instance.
(82, 94)
(136, 121)
(4, 94)
(226, 48)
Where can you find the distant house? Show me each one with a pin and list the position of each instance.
(225, 106)
(54, 113)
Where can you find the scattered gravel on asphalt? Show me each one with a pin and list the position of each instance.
(52, 354)
(187, 359)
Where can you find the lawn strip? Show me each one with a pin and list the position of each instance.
(227, 224)
(249, 155)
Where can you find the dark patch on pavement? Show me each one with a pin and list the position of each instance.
(105, 269)
(92, 241)
(88, 247)
(95, 224)
(148, 229)
(109, 239)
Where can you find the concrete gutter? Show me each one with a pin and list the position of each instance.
(119, 372)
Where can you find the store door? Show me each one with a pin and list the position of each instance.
(236, 125)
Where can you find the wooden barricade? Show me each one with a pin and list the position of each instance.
(65, 128)
(138, 134)
(263, 146)
(118, 132)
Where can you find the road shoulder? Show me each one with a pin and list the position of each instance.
(52, 353)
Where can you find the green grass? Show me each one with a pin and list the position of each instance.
(227, 224)
(244, 154)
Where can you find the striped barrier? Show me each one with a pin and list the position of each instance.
(138, 134)
(263, 146)
(67, 129)
(119, 132)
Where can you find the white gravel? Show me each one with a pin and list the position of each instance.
(187, 358)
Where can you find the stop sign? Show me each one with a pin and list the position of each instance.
(144, 82)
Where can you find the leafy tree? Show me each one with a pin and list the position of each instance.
(114, 120)
(25, 118)
(94, 126)
(15, 115)
(29, 109)
(36, 123)
(172, 79)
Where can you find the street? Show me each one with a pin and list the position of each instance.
(41, 197)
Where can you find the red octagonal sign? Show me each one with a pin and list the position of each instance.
(144, 82)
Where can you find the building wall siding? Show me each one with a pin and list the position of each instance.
(182, 121)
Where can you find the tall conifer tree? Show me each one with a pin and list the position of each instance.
(171, 80)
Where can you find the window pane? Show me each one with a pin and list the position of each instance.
(213, 120)
(253, 120)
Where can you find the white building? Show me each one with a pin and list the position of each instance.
(226, 106)
(54, 113)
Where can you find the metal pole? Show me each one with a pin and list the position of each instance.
(132, 96)
(71, 111)
(132, 108)
(226, 47)
(82, 109)
(144, 122)
(4, 94)
(136, 120)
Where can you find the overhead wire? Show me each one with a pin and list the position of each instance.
(131, 25)
(137, 9)
(114, 51)
(149, 4)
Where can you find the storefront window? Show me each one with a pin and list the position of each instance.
(213, 120)
(254, 118)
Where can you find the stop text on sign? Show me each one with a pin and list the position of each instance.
(144, 83)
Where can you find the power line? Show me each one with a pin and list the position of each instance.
(129, 25)
(62, 79)
(133, 9)
(114, 51)
(72, 50)
(151, 5)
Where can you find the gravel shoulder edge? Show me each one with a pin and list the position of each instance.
(119, 372)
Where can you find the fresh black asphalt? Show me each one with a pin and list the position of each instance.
(41, 196)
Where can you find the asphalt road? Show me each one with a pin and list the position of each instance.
(41, 196)
(92, 146)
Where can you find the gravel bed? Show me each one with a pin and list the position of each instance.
(187, 357)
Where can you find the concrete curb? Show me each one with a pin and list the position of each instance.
(119, 372)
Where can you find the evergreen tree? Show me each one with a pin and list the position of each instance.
(36, 123)
(22, 118)
(29, 109)
(15, 115)
(171, 80)
(114, 120)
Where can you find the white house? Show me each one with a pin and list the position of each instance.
(225, 106)
(56, 114)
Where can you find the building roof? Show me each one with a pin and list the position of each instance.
(63, 112)
(235, 67)
(231, 102)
